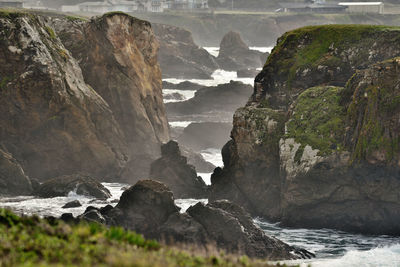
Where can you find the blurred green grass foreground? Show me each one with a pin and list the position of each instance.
(33, 241)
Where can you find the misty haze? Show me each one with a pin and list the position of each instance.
(199, 133)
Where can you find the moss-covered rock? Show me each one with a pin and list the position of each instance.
(318, 119)
(316, 55)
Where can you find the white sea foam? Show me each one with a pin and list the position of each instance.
(213, 155)
(212, 50)
(206, 177)
(184, 204)
(218, 77)
(30, 205)
(262, 49)
(185, 94)
(180, 124)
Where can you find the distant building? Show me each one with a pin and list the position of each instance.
(11, 3)
(312, 7)
(189, 4)
(135, 6)
(363, 7)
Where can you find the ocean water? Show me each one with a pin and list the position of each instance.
(218, 77)
(214, 50)
(184, 95)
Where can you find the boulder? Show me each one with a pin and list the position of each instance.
(93, 216)
(144, 207)
(180, 57)
(13, 180)
(234, 54)
(72, 204)
(184, 229)
(173, 170)
(233, 230)
(78, 183)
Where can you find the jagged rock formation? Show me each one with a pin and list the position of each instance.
(118, 57)
(148, 208)
(180, 57)
(196, 159)
(202, 135)
(173, 170)
(108, 122)
(222, 99)
(317, 145)
(79, 184)
(235, 55)
(13, 180)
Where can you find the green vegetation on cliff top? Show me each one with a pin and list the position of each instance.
(318, 119)
(31, 241)
(311, 46)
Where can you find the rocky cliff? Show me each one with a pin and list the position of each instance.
(118, 55)
(317, 145)
(80, 96)
(180, 57)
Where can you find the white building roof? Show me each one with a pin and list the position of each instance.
(360, 3)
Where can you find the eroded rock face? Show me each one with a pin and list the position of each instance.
(12, 178)
(235, 55)
(51, 121)
(173, 170)
(180, 57)
(118, 56)
(322, 156)
(79, 184)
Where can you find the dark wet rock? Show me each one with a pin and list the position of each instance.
(233, 230)
(144, 207)
(316, 146)
(180, 57)
(78, 183)
(196, 159)
(106, 209)
(234, 54)
(184, 229)
(13, 180)
(72, 204)
(35, 184)
(222, 98)
(148, 208)
(174, 96)
(247, 73)
(173, 170)
(68, 218)
(93, 216)
(89, 208)
(202, 135)
(186, 85)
